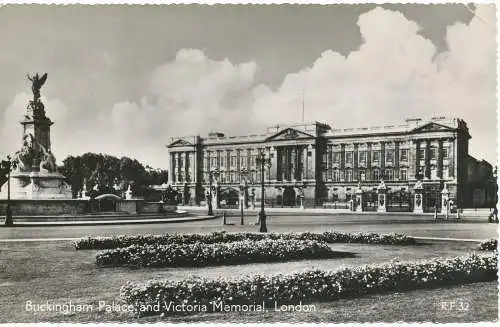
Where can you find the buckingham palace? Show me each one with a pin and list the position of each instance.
(316, 165)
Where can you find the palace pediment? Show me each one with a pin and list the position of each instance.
(432, 127)
(289, 134)
(180, 143)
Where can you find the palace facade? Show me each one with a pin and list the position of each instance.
(324, 166)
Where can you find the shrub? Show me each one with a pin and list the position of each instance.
(309, 286)
(201, 254)
(101, 243)
(489, 245)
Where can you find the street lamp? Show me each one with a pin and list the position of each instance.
(7, 165)
(211, 174)
(262, 162)
(243, 185)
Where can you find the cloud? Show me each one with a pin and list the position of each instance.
(394, 74)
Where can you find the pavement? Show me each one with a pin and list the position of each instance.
(282, 223)
(33, 221)
(482, 213)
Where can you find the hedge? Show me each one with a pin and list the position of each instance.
(101, 243)
(316, 285)
(200, 254)
(489, 245)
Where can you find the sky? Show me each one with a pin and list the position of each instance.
(123, 80)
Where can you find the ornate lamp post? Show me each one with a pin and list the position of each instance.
(263, 162)
(212, 173)
(8, 165)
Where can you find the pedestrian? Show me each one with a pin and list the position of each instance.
(495, 214)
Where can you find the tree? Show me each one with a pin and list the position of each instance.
(107, 171)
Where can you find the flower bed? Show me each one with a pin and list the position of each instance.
(154, 297)
(201, 254)
(101, 243)
(489, 245)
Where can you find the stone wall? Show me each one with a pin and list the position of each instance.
(72, 207)
(46, 207)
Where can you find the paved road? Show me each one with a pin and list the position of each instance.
(285, 223)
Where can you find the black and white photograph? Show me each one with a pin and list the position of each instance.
(248, 163)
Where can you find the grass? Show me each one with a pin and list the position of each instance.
(54, 271)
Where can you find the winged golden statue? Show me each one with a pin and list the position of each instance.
(36, 84)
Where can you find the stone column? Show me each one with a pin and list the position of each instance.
(313, 162)
(274, 164)
(417, 158)
(305, 163)
(171, 173)
(186, 166)
(342, 163)
(179, 168)
(427, 168)
(368, 161)
(355, 158)
(396, 160)
(382, 159)
(329, 166)
(293, 163)
(452, 159)
(440, 159)
(239, 178)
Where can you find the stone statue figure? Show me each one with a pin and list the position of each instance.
(24, 157)
(35, 107)
(36, 84)
(48, 162)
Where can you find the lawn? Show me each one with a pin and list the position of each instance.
(55, 272)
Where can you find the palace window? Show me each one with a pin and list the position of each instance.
(233, 161)
(213, 162)
(433, 153)
(375, 174)
(253, 160)
(349, 155)
(348, 175)
(376, 156)
(389, 156)
(336, 175)
(336, 157)
(205, 163)
(243, 161)
(362, 157)
(389, 174)
(403, 154)
(362, 175)
(404, 174)
(421, 154)
(445, 153)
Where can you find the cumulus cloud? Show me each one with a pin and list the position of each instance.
(396, 73)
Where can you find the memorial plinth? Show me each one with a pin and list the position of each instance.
(35, 176)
